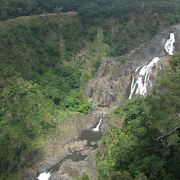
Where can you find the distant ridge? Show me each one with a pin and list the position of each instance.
(62, 14)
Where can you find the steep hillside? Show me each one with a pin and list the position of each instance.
(52, 63)
(143, 141)
(105, 91)
(122, 20)
(42, 78)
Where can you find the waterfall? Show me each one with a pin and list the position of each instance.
(96, 129)
(169, 45)
(44, 176)
(141, 80)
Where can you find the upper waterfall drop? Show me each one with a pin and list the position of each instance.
(169, 45)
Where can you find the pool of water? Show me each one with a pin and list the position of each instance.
(90, 136)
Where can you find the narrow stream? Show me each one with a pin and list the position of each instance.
(92, 136)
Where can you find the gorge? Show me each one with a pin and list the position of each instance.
(141, 84)
(89, 90)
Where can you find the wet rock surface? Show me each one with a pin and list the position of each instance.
(108, 88)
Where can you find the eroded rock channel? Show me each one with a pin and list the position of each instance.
(78, 151)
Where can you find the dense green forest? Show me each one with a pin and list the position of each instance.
(46, 62)
(39, 77)
(122, 20)
(91, 11)
(148, 144)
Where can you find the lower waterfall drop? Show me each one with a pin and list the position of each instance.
(96, 129)
(44, 176)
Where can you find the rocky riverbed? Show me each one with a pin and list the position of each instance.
(68, 156)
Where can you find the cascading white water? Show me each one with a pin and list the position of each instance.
(44, 176)
(140, 83)
(169, 45)
(141, 80)
(96, 129)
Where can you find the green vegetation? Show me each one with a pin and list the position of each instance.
(46, 62)
(25, 115)
(45, 66)
(42, 52)
(122, 20)
(147, 145)
(41, 74)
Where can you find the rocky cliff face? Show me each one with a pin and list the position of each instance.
(110, 86)
(107, 87)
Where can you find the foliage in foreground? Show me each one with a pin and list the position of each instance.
(148, 144)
